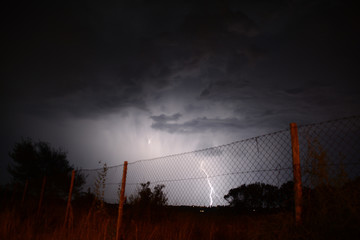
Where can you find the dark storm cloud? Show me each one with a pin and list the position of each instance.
(294, 90)
(192, 108)
(166, 118)
(199, 125)
(107, 74)
(56, 62)
(100, 97)
(223, 89)
(308, 74)
(87, 59)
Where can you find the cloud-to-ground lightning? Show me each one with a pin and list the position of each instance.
(212, 191)
(148, 140)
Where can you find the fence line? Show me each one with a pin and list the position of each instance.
(329, 154)
(317, 169)
(266, 159)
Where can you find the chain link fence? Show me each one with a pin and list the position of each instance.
(249, 175)
(329, 151)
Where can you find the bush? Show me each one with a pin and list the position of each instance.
(148, 203)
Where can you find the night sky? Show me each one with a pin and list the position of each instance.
(127, 80)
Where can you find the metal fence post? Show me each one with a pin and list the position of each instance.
(69, 197)
(42, 193)
(297, 172)
(121, 201)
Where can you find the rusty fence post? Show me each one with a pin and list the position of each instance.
(121, 201)
(69, 197)
(42, 194)
(297, 172)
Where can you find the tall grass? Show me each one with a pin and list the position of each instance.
(25, 223)
(331, 211)
(172, 223)
(332, 204)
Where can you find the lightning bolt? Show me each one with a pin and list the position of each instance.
(212, 191)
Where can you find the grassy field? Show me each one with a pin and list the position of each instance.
(85, 222)
(329, 213)
(27, 223)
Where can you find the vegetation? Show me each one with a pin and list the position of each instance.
(99, 186)
(331, 211)
(24, 222)
(146, 197)
(148, 204)
(332, 204)
(32, 161)
(261, 196)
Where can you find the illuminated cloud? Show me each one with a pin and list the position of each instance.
(98, 78)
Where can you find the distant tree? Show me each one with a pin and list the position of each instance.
(286, 195)
(34, 160)
(159, 197)
(147, 204)
(254, 196)
(146, 197)
(99, 186)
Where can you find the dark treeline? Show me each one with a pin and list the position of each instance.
(36, 164)
(265, 197)
(260, 196)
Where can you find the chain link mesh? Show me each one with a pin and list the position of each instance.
(189, 177)
(329, 151)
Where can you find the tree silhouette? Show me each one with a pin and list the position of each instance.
(260, 196)
(286, 195)
(34, 160)
(147, 204)
(146, 197)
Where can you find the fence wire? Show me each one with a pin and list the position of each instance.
(329, 151)
(204, 177)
